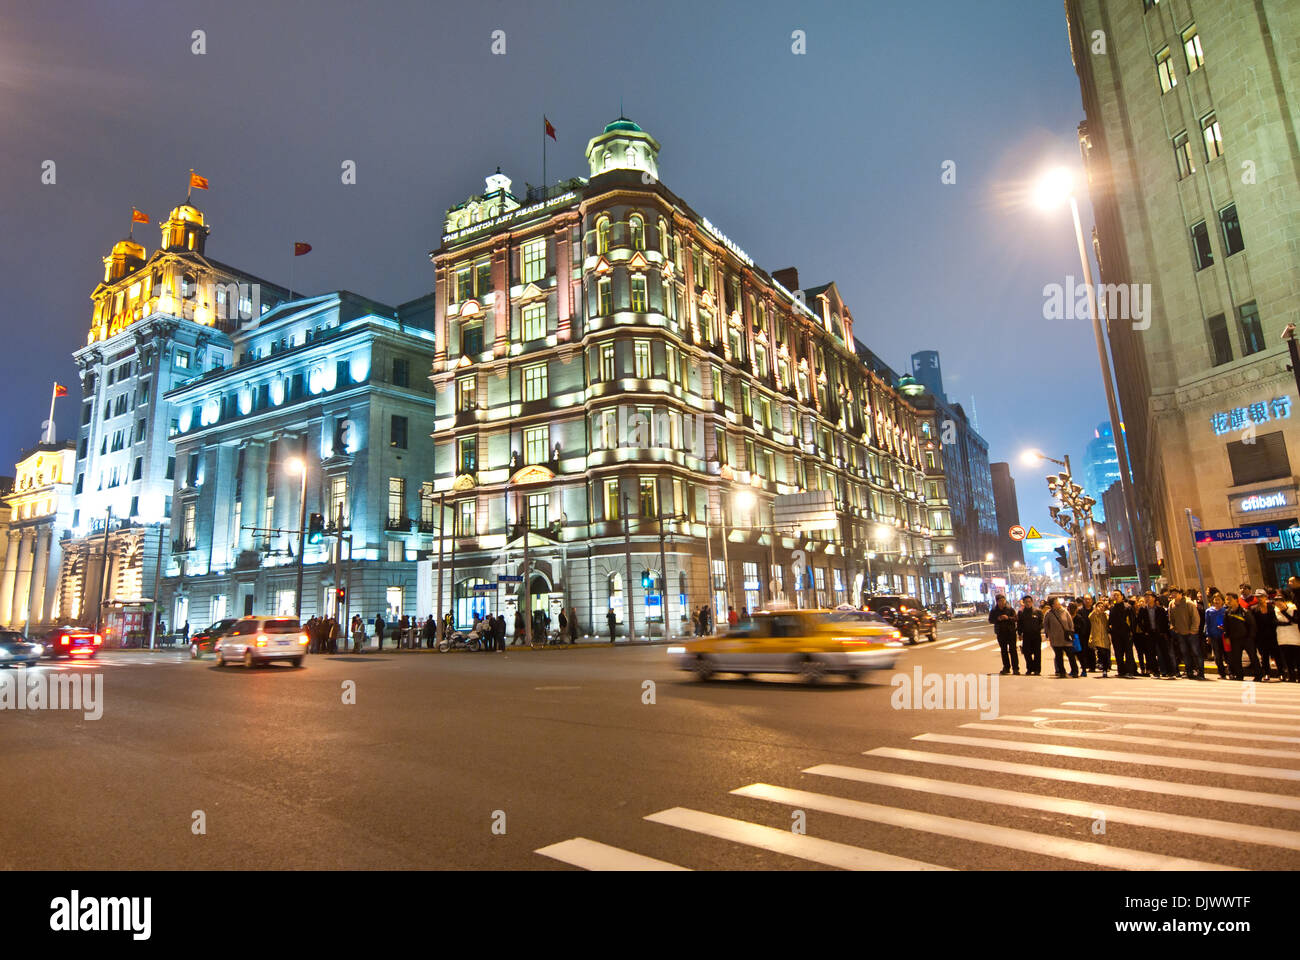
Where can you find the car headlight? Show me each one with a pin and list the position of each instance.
(676, 651)
(4, 654)
(38, 648)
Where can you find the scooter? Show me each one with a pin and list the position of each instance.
(461, 641)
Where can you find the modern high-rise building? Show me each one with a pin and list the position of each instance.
(928, 373)
(1007, 508)
(1101, 466)
(1193, 166)
(156, 322)
(623, 394)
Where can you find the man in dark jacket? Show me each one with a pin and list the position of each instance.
(1239, 634)
(612, 619)
(1121, 635)
(1083, 630)
(1266, 636)
(1003, 618)
(1029, 627)
(379, 630)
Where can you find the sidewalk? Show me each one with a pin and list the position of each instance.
(587, 643)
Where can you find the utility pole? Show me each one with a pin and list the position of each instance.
(527, 603)
(157, 598)
(627, 591)
(442, 496)
(103, 575)
(663, 579)
(302, 540)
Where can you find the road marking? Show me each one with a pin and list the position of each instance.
(947, 645)
(1114, 756)
(982, 646)
(826, 852)
(590, 855)
(1221, 734)
(1149, 741)
(1208, 701)
(557, 688)
(971, 831)
(1158, 820)
(1209, 721)
(1195, 790)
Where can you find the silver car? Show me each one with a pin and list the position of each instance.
(256, 640)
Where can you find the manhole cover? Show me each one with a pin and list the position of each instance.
(1093, 726)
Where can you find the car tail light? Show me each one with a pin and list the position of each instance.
(261, 639)
(302, 638)
(63, 641)
(98, 639)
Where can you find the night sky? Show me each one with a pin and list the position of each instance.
(830, 161)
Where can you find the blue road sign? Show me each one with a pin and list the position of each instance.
(1260, 533)
(510, 578)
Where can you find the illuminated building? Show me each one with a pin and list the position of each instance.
(40, 509)
(156, 322)
(618, 381)
(340, 383)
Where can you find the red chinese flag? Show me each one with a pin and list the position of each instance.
(60, 390)
(197, 182)
(138, 217)
(300, 248)
(550, 130)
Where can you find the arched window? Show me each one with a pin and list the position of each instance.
(637, 228)
(663, 237)
(602, 235)
(615, 589)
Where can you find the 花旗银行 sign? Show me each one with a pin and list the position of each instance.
(1240, 418)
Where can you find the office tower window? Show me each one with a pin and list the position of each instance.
(1213, 137)
(534, 260)
(1192, 49)
(1252, 334)
(397, 432)
(1232, 239)
(1220, 344)
(1202, 254)
(1183, 155)
(1165, 71)
(534, 321)
(535, 384)
(401, 372)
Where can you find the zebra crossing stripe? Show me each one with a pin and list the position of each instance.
(590, 855)
(1221, 734)
(1209, 721)
(1148, 741)
(1062, 848)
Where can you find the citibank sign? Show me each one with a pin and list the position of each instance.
(1263, 501)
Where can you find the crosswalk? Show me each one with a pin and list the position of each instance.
(1185, 787)
(96, 663)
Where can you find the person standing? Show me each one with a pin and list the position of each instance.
(358, 633)
(518, 639)
(1185, 625)
(1266, 635)
(573, 625)
(1083, 630)
(1214, 633)
(1099, 634)
(564, 625)
(334, 635)
(732, 617)
(379, 630)
(1003, 618)
(499, 633)
(612, 619)
(1288, 636)
(1239, 637)
(1029, 627)
(1059, 626)
(1121, 635)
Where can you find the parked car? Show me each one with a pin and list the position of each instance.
(907, 615)
(257, 640)
(16, 649)
(72, 642)
(811, 643)
(206, 639)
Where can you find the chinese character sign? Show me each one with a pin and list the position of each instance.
(1279, 408)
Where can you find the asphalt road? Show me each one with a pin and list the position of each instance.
(482, 760)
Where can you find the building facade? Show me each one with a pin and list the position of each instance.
(1007, 508)
(39, 509)
(622, 396)
(156, 322)
(1101, 466)
(334, 385)
(1194, 174)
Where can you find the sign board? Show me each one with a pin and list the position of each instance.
(1017, 532)
(1033, 534)
(1260, 501)
(805, 512)
(510, 578)
(1194, 520)
(1261, 533)
(483, 587)
(939, 563)
(653, 600)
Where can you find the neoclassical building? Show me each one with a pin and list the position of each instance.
(625, 397)
(40, 512)
(157, 321)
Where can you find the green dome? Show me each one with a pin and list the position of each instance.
(622, 123)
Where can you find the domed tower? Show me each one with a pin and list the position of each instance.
(623, 146)
(184, 229)
(127, 257)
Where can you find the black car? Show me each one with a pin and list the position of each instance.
(202, 641)
(907, 615)
(16, 649)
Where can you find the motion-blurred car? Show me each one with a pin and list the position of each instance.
(77, 643)
(256, 640)
(907, 615)
(16, 649)
(205, 640)
(964, 610)
(811, 643)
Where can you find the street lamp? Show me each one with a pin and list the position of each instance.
(299, 466)
(1053, 187)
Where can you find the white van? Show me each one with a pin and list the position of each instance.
(263, 639)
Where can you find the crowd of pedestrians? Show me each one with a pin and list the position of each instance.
(1169, 635)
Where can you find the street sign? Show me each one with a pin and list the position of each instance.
(1033, 534)
(1194, 519)
(1017, 532)
(483, 587)
(510, 578)
(1260, 533)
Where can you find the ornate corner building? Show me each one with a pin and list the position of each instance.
(39, 509)
(623, 396)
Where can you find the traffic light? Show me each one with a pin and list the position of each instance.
(1063, 558)
(340, 595)
(646, 581)
(315, 528)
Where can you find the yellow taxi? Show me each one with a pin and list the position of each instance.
(811, 643)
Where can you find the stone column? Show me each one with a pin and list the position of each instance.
(23, 585)
(8, 579)
(38, 608)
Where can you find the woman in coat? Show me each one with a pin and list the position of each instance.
(1083, 630)
(1099, 634)
(1059, 627)
(1288, 636)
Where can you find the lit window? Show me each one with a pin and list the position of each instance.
(638, 294)
(535, 386)
(466, 393)
(637, 228)
(534, 260)
(1192, 48)
(539, 511)
(1183, 154)
(468, 454)
(1165, 70)
(611, 500)
(649, 497)
(537, 443)
(465, 519)
(396, 498)
(1252, 334)
(1213, 137)
(534, 321)
(602, 235)
(606, 303)
(641, 352)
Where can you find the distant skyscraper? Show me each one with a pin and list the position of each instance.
(928, 373)
(1008, 513)
(1101, 466)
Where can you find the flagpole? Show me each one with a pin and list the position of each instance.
(49, 430)
(544, 158)
(190, 189)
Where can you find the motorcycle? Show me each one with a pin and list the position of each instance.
(460, 640)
